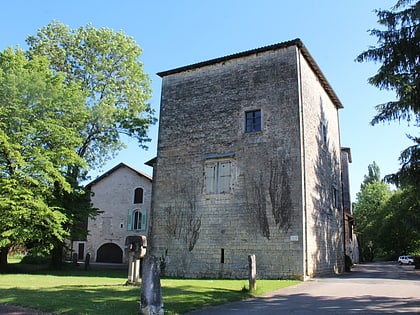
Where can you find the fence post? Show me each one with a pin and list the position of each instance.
(252, 262)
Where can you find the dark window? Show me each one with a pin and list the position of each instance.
(253, 121)
(81, 251)
(324, 136)
(137, 216)
(138, 195)
(334, 197)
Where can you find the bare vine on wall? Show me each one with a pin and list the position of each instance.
(183, 222)
(279, 191)
(256, 203)
(268, 188)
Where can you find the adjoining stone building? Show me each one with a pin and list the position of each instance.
(248, 162)
(123, 195)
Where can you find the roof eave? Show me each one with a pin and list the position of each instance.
(295, 42)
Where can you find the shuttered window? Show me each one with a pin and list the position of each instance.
(136, 220)
(218, 177)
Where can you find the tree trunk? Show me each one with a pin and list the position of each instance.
(57, 256)
(3, 258)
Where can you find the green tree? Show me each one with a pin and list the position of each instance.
(106, 65)
(39, 118)
(374, 175)
(368, 211)
(399, 229)
(399, 52)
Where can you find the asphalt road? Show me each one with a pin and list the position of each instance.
(380, 288)
(377, 288)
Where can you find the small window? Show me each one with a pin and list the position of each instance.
(253, 121)
(136, 220)
(334, 197)
(324, 136)
(138, 195)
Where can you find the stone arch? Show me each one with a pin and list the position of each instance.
(109, 253)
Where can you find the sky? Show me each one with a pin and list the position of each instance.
(175, 33)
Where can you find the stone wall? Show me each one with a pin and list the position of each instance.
(114, 196)
(322, 176)
(202, 128)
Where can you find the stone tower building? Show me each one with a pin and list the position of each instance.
(248, 162)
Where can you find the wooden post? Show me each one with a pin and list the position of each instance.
(252, 262)
(87, 261)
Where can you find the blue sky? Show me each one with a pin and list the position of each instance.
(178, 33)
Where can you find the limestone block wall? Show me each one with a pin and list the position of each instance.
(198, 234)
(221, 193)
(322, 177)
(114, 196)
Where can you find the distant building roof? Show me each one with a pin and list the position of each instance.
(346, 149)
(296, 42)
(151, 162)
(112, 170)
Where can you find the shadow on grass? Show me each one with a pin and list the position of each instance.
(106, 300)
(114, 299)
(120, 271)
(186, 298)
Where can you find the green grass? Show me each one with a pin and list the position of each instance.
(76, 291)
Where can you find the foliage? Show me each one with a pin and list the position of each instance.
(368, 213)
(106, 65)
(104, 293)
(409, 173)
(399, 52)
(374, 175)
(387, 223)
(39, 119)
(399, 228)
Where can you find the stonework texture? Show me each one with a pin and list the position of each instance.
(113, 194)
(221, 193)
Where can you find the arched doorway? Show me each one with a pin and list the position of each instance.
(110, 253)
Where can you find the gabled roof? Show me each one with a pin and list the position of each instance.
(115, 168)
(296, 42)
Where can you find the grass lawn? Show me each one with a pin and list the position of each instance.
(102, 291)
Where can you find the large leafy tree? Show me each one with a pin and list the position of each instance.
(368, 213)
(387, 223)
(398, 51)
(39, 118)
(399, 230)
(373, 175)
(106, 65)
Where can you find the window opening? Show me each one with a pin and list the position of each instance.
(324, 133)
(136, 220)
(218, 177)
(253, 121)
(138, 195)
